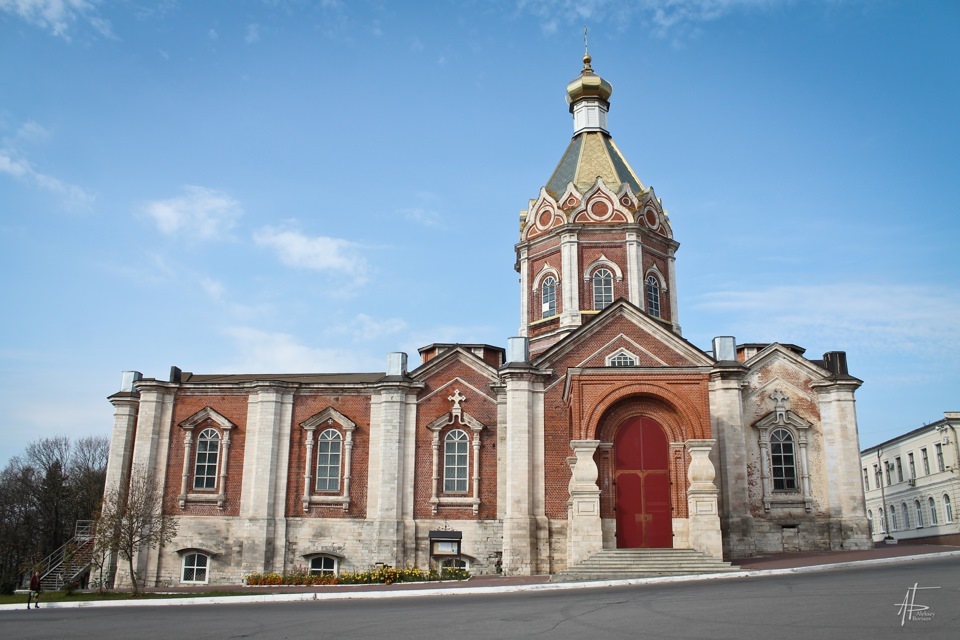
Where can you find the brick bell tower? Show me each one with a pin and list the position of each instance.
(594, 234)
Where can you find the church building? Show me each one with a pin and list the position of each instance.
(598, 428)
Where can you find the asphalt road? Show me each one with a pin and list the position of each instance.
(846, 603)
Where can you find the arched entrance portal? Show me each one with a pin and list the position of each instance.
(642, 483)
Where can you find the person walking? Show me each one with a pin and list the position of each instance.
(35, 588)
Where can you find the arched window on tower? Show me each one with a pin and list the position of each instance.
(602, 289)
(653, 296)
(208, 457)
(783, 461)
(548, 296)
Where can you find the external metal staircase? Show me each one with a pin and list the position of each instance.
(68, 563)
(613, 564)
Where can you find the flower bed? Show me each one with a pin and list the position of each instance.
(381, 575)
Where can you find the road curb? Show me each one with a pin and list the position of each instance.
(423, 593)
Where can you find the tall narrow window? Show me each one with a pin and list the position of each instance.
(653, 296)
(548, 296)
(913, 466)
(455, 446)
(933, 511)
(782, 458)
(866, 480)
(906, 515)
(939, 449)
(194, 567)
(877, 477)
(329, 448)
(870, 521)
(947, 508)
(883, 520)
(602, 289)
(899, 469)
(893, 518)
(208, 455)
(887, 467)
(916, 504)
(926, 462)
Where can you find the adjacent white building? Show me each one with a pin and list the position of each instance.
(912, 484)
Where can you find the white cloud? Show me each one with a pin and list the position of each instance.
(910, 320)
(58, 16)
(74, 197)
(253, 33)
(664, 15)
(266, 352)
(213, 35)
(366, 329)
(317, 253)
(213, 288)
(201, 213)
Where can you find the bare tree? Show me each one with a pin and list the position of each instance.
(132, 520)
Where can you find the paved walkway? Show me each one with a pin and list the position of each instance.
(763, 565)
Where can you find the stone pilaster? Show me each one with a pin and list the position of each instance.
(841, 444)
(730, 455)
(524, 486)
(390, 472)
(266, 466)
(585, 530)
(570, 281)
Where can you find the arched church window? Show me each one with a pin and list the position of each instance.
(548, 296)
(653, 296)
(329, 453)
(602, 289)
(783, 461)
(208, 456)
(455, 447)
(933, 511)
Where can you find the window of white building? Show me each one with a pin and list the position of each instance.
(919, 509)
(947, 508)
(933, 511)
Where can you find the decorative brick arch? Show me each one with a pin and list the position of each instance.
(678, 413)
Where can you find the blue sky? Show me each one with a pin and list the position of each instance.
(293, 186)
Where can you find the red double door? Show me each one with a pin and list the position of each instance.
(642, 483)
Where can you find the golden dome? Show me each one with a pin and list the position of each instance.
(588, 85)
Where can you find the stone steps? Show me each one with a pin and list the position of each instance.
(612, 564)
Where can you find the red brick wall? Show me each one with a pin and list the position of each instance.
(599, 402)
(234, 409)
(356, 408)
(432, 404)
